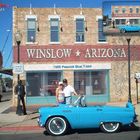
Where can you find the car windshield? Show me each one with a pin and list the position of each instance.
(80, 101)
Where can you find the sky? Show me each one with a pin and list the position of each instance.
(6, 19)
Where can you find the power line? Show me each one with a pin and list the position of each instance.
(7, 37)
(8, 57)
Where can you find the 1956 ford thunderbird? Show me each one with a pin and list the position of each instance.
(57, 120)
(129, 28)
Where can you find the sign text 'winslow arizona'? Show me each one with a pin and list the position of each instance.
(74, 53)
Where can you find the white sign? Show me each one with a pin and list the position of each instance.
(84, 66)
(137, 75)
(18, 68)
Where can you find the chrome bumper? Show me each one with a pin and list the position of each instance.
(39, 123)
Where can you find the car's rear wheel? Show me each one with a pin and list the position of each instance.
(57, 126)
(110, 127)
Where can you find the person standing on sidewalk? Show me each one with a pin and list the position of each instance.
(20, 91)
(68, 91)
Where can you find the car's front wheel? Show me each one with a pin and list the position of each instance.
(56, 126)
(122, 31)
(110, 127)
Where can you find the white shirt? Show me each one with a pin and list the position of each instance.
(68, 90)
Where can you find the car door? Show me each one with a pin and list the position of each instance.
(90, 117)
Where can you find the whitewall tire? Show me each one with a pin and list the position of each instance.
(110, 127)
(56, 126)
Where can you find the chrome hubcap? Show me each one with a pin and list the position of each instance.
(110, 127)
(57, 125)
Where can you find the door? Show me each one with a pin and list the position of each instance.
(90, 117)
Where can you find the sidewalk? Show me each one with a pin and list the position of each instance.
(11, 123)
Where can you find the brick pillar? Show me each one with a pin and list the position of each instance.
(69, 75)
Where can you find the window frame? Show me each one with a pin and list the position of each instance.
(27, 17)
(51, 19)
(116, 10)
(82, 32)
(131, 10)
(123, 10)
(100, 30)
(31, 30)
(137, 10)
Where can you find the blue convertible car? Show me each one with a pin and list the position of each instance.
(129, 28)
(58, 119)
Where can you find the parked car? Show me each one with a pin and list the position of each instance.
(58, 119)
(129, 28)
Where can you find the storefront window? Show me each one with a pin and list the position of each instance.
(42, 83)
(91, 83)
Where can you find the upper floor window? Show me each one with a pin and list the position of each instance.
(80, 30)
(101, 36)
(31, 29)
(54, 30)
(123, 10)
(116, 10)
(131, 10)
(137, 10)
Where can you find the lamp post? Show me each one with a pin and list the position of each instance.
(129, 70)
(18, 37)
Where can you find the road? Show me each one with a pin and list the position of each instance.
(5, 101)
(6, 96)
(93, 134)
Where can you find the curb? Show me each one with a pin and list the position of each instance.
(21, 128)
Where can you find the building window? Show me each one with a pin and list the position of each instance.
(31, 30)
(80, 35)
(116, 10)
(131, 10)
(137, 10)
(42, 83)
(101, 36)
(91, 82)
(54, 30)
(123, 10)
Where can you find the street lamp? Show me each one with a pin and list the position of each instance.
(128, 39)
(18, 37)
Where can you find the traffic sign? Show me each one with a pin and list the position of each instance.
(18, 68)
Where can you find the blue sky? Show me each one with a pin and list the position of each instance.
(6, 19)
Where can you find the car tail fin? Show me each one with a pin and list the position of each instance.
(129, 105)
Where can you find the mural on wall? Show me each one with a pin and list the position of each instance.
(121, 17)
(61, 53)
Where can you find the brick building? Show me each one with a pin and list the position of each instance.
(69, 43)
(124, 14)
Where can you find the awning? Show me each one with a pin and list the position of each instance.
(7, 71)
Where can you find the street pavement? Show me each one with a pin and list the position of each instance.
(92, 134)
(11, 123)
